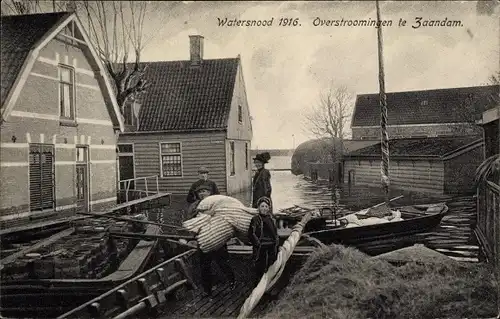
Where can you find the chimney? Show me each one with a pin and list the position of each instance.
(196, 49)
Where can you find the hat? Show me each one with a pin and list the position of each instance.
(201, 187)
(264, 199)
(263, 157)
(202, 170)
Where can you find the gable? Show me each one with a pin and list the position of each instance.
(239, 125)
(185, 97)
(443, 106)
(45, 27)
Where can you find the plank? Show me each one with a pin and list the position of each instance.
(36, 246)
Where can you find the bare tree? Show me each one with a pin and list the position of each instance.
(329, 117)
(116, 30)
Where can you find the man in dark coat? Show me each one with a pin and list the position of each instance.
(262, 179)
(192, 196)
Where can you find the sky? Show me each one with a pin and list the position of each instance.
(286, 68)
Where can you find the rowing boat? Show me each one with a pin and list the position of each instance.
(376, 238)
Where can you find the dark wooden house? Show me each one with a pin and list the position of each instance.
(194, 113)
(438, 165)
(59, 121)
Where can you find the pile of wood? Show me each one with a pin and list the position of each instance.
(88, 252)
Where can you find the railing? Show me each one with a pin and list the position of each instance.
(145, 292)
(488, 225)
(139, 186)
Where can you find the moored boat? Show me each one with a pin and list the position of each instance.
(378, 237)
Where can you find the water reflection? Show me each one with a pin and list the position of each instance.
(289, 190)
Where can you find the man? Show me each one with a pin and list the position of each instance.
(192, 196)
(220, 256)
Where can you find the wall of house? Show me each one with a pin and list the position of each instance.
(197, 149)
(240, 132)
(417, 131)
(35, 119)
(425, 176)
(459, 171)
(242, 178)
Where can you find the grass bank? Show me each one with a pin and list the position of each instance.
(339, 282)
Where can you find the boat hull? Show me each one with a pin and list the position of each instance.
(380, 238)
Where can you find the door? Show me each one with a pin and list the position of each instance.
(126, 165)
(82, 179)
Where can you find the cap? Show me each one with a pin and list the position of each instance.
(202, 170)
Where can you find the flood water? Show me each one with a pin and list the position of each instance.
(289, 190)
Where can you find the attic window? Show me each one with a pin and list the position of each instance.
(424, 103)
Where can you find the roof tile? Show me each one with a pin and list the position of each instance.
(186, 97)
(456, 105)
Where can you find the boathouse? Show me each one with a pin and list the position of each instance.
(428, 113)
(438, 165)
(59, 121)
(194, 113)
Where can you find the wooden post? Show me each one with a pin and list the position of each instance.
(383, 112)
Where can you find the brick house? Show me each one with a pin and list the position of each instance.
(194, 113)
(59, 121)
(429, 113)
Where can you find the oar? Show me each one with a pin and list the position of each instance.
(129, 220)
(391, 200)
(169, 238)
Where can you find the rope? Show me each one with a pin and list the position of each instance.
(275, 270)
(384, 168)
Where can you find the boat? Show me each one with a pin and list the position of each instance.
(372, 239)
(77, 264)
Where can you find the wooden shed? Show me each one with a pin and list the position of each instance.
(439, 165)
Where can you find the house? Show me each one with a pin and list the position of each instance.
(429, 113)
(59, 121)
(439, 165)
(313, 159)
(194, 113)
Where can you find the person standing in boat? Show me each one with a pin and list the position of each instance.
(262, 179)
(192, 195)
(263, 234)
(201, 192)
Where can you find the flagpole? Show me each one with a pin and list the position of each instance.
(384, 167)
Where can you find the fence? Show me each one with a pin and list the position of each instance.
(488, 225)
(139, 187)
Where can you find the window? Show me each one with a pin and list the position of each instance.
(41, 170)
(171, 159)
(240, 114)
(246, 156)
(128, 114)
(66, 92)
(231, 159)
(81, 172)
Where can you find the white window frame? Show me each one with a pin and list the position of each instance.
(161, 159)
(72, 84)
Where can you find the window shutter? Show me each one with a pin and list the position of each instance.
(42, 179)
